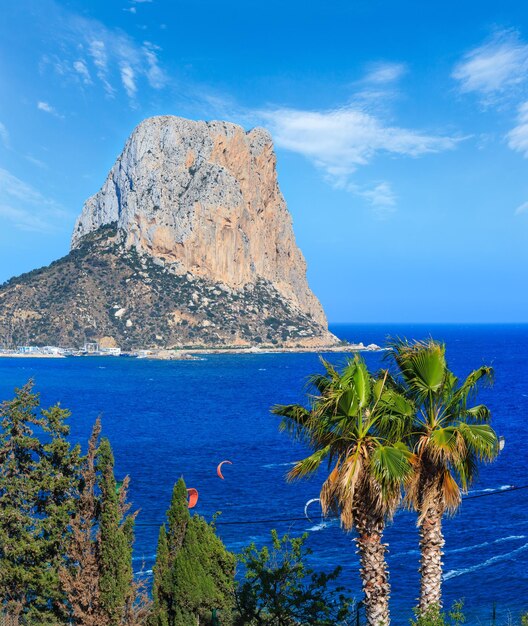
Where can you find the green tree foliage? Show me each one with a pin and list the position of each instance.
(96, 576)
(161, 588)
(38, 479)
(115, 540)
(354, 424)
(450, 436)
(434, 616)
(80, 573)
(279, 590)
(194, 573)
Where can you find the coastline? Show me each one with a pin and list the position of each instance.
(183, 354)
(187, 354)
(17, 355)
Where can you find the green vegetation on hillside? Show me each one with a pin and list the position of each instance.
(103, 289)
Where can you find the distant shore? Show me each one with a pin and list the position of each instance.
(22, 355)
(190, 353)
(182, 354)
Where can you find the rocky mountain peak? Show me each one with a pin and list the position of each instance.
(188, 243)
(203, 198)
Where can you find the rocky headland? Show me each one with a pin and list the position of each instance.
(189, 243)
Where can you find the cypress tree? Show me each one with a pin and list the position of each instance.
(57, 476)
(203, 573)
(194, 573)
(178, 518)
(80, 575)
(116, 538)
(38, 476)
(161, 584)
(97, 577)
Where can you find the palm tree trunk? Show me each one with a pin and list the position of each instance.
(431, 544)
(374, 571)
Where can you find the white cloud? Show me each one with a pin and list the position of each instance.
(82, 69)
(381, 197)
(35, 161)
(340, 140)
(498, 66)
(132, 10)
(47, 108)
(498, 72)
(155, 74)
(27, 208)
(383, 73)
(44, 106)
(127, 77)
(97, 51)
(17, 189)
(4, 135)
(109, 57)
(523, 208)
(518, 136)
(25, 220)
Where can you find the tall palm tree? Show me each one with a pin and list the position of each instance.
(450, 435)
(353, 423)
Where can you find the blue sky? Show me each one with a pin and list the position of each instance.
(401, 131)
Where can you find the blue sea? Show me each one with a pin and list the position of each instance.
(172, 419)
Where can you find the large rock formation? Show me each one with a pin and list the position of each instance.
(188, 242)
(203, 197)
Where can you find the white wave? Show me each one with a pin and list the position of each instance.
(494, 559)
(465, 548)
(262, 369)
(486, 543)
(490, 489)
(142, 572)
(317, 527)
(270, 465)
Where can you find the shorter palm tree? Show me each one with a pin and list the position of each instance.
(449, 437)
(353, 423)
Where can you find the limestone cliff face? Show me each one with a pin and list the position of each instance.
(202, 198)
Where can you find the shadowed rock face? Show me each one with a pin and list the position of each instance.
(203, 198)
(103, 292)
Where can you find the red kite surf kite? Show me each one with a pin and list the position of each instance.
(193, 497)
(219, 469)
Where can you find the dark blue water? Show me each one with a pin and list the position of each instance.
(167, 419)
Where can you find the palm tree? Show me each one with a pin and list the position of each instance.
(353, 423)
(449, 437)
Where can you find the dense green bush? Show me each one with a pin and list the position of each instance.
(278, 589)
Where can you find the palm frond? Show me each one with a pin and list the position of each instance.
(479, 413)
(422, 365)
(296, 419)
(468, 389)
(309, 465)
(480, 439)
(444, 445)
(391, 465)
(450, 492)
